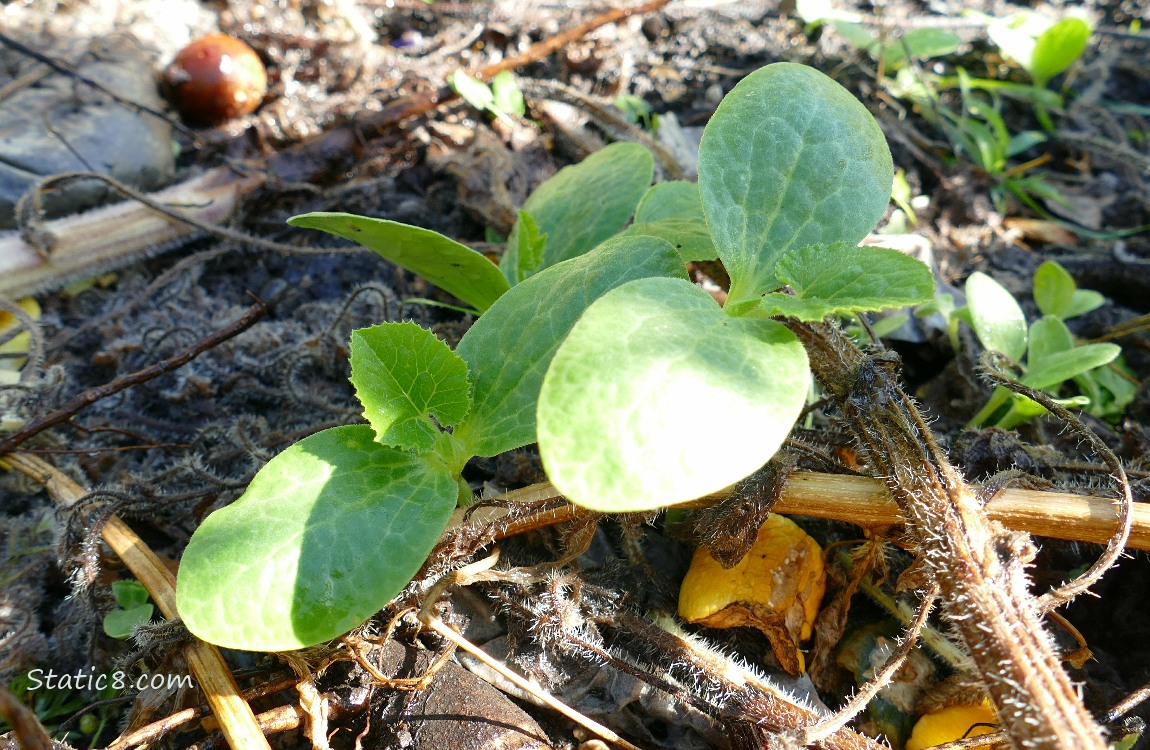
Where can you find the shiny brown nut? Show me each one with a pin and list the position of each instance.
(216, 78)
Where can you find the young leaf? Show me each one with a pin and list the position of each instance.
(689, 236)
(789, 159)
(129, 594)
(658, 397)
(1053, 289)
(1048, 336)
(506, 95)
(676, 199)
(584, 204)
(1084, 301)
(1057, 48)
(404, 376)
(508, 349)
(1059, 367)
(325, 535)
(119, 623)
(839, 278)
(455, 268)
(996, 318)
(472, 90)
(529, 245)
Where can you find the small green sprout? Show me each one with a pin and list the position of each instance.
(502, 98)
(133, 609)
(1045, 351)
(591, 342)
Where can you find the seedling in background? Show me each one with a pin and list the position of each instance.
(1045, 351)
(133, 609)
(596, 346)
(502, 98)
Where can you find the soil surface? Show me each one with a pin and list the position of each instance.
(164, 454)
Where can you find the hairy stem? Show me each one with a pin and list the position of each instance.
(978, 566)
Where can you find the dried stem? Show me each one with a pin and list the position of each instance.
(979, 567)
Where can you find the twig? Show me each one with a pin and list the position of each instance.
(237, 721)
(86, 398)
(865, 502)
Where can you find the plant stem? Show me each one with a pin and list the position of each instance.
(979, 568)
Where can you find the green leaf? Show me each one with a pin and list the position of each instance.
(1059, 367)
(1057, 48)
(455, 268)
(325, 535)
(839, 278)
(926, 43)
(404, 376)
(119, 623)
(508, 349)
(129, 594)
(996, 318)
(689, 236)
(472, 90)
(584, 204)
(1084, 301)
(1048, 336)
(675, 199)
(658, 397)
(789, 159)
(529, 245)
(507, 97)
(1053, 289)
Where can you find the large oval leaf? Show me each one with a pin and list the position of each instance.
(658, 397)
(326, 534)
(583, 204)
(509, 348)
(454, 268)
(789, 159)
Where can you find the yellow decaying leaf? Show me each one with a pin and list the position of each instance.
(776, 588)
(953, 723)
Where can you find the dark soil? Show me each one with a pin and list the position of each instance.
(166, 453)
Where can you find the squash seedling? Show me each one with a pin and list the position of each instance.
(639, 388)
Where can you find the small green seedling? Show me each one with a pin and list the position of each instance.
(1045, 350)
(502, 98)
(1043, 46)
(638, 386)
(133, 609)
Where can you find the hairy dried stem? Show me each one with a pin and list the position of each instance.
(979, 567)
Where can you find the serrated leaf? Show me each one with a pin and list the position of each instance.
(325, 535)
(789, 159)
(690, 237)
(995, 316)
(1057, 48)
(454, 268)
(508, 349)
(529, 245)
(839, 278)
(584, 204)
(675, 199)
(1053, 289)
(1059, 367)
(658, 397)
(404, 375)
